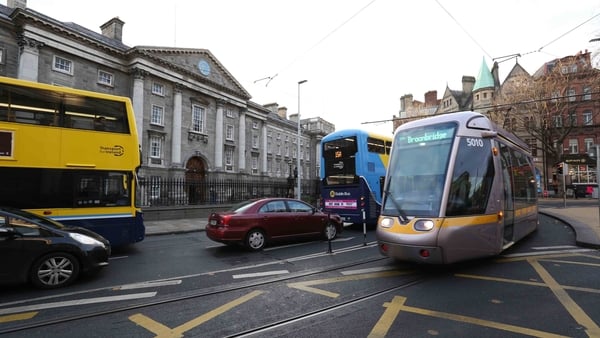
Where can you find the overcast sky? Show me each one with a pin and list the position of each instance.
(358, 56)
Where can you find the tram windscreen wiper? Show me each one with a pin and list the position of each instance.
(389, 196)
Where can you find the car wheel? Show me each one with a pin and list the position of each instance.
(330, 231)
(255, 240)
(54, 270)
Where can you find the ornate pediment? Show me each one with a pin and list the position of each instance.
(197, 63)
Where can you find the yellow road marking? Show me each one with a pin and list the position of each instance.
(574, 310)
(163, 331)
(526, 258)
(516, 281)
(498, 279)
(389, 315)
(570, 262)
(18, 316)
(307, 285)
(397, 305)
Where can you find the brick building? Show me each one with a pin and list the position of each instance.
(556, 111)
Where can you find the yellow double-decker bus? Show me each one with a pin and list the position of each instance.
(70, 155)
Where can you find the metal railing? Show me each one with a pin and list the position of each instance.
(159, 191)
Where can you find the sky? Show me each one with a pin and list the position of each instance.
(358, 57)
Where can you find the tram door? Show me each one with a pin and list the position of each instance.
(509, 205)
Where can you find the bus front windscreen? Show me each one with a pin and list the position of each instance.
(340, 161)
(417, 170)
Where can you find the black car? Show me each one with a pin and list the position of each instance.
(46, 253)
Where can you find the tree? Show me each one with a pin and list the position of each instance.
(560, 101)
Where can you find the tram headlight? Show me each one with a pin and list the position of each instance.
(423, 225)
(386, 222)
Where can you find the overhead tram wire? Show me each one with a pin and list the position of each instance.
(503, 58)
(270, 78)
(566, 33)
(464, 30)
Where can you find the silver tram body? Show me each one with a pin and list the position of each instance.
(458, 187)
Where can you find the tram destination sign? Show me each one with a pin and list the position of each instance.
(428, 134)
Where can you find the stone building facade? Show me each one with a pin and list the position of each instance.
(558, 120)
(193, 117)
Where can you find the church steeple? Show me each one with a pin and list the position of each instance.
(484, 79)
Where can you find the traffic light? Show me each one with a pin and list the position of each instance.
(559, 168)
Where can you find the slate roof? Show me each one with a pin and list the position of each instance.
(227, 82)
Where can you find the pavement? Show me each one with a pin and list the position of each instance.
(583, 218)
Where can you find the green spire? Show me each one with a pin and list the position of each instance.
(485, 78)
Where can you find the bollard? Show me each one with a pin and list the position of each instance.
(364, 227)
(329, 250)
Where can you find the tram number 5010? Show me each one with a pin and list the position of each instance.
(474, 142)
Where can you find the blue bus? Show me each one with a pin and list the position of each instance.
(353, 167)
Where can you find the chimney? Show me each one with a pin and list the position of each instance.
(468, 82)
(113, 29)
(431, 99)
(406, 102)
(282, 112)
(14, 4)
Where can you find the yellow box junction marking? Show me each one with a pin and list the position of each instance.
(592, 329)
(397, 304)
(18, 316)
(307, 286)
(163, 331)
(563, 297)
(516, 281)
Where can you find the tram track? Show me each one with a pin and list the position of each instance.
(288, 321)
(196, 294)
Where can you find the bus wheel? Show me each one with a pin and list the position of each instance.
(54, 270)
(330, 231)
(255, 240)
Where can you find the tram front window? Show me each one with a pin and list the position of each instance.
(472, 178)
(416, 176)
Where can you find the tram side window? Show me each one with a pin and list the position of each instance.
(472, 178)
(524, 185)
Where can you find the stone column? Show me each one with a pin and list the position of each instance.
(176, 132)
(242, 142)
(138, 102)
(29, 58)
(264, 151)
(219, 137)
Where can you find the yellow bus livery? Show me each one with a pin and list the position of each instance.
(71, 155)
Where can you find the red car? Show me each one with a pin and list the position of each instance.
(255, 223)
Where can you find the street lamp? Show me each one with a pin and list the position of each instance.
(594, 151)
(298, 142)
